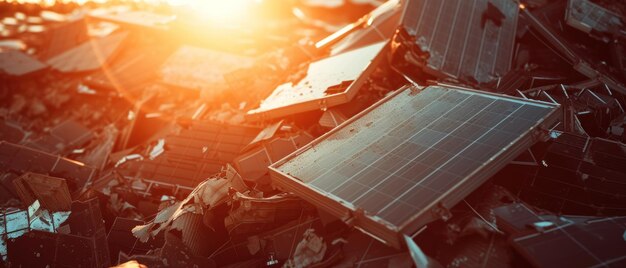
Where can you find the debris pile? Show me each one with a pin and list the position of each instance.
(400, 133)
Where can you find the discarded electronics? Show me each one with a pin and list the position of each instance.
(582, 240)
(83, 245)
(579, 175)
(129, 134)
(69, 33)
(17, 222)
(272, 144)
(593, 19)
(581, 244)
(14, 63)
(579, 61)
(325, 83)
(20, 159)
(64, 137)
(403, 162)
(186, 158)
(131, 72)
(88, 56)
(201, 69)
(51, 192)
(471, 41)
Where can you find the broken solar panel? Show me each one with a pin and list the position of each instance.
(19, 159)
(400, 163)
(63, 137)
(17, 63)
(89, 55)
(592, 243)
(542, 21)
(201, 69)
(592, 18)
(63, 37)
(131, 71)
(470, 40)
(328, 82)
(193, 154)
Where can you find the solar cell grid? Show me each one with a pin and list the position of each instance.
(466, 39)
(398, 159)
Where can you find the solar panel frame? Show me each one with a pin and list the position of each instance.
(378, 227)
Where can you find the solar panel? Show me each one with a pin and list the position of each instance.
(543, 21)
(471, 40)
(582, 175)
(328, 82)
(193, 154)
(20, 159)
(594, 243)
(17, 63)
(89, 55)
(589, 17)
(202, 69)
(412, 154)
(381, 24)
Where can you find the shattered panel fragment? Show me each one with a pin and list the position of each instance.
(51, 192)
(15, 64)
(193, 154)
(328, 82)
(201, 69)
(88, 56)
(471, 41)
(20, 159)
(592, 18)
(580, 244)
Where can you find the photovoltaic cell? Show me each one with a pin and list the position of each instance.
(411, 152)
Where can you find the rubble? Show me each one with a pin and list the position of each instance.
(243, 133)
(206, 195)
(68, 135)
